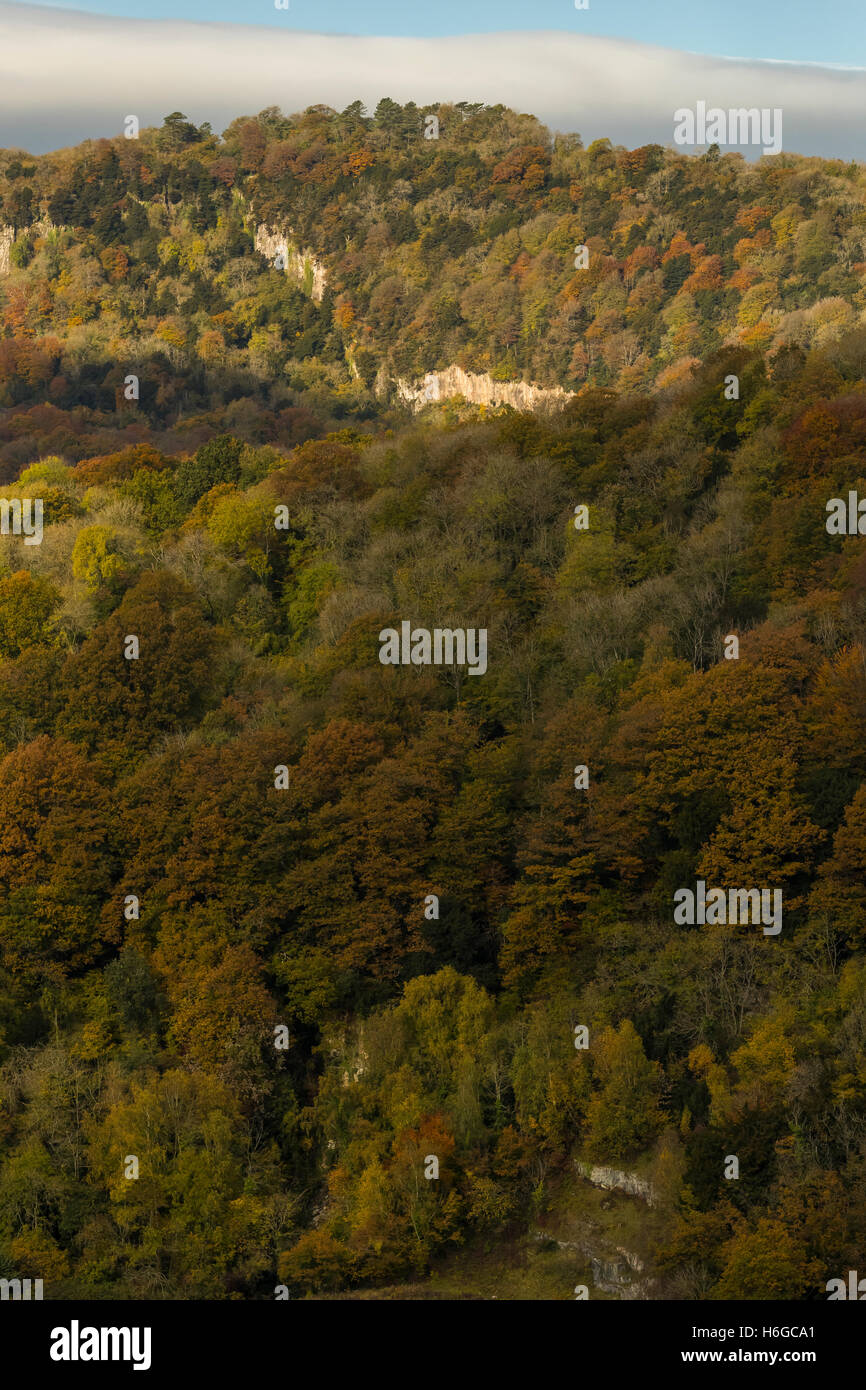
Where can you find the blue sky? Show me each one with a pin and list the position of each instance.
(825, 31)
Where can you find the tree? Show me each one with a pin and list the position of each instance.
(218, 461)
(96, 560)
(840, 890)
(112, 699)
(184, 1218)
(57, 858)
(222, 1014)
(624, 1115)
(764, 1263)
(26, 605)
(177, 131)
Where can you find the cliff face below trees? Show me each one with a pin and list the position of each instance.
(613, 1179)
(613, 1268)
(302, 265)
(310, 272)
(8, 237)
(591, 1228)
(479, 390)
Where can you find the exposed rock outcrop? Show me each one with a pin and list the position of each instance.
(613, 1267)
(357, 1065)
(7, 236)
(480, 389)
(614, 1178)
(347, 1048)
(302, 266)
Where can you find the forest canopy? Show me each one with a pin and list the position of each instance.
(282, 994)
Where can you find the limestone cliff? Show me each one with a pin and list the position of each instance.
(613, 1267)
(302, 266)
(615, 1179)
(7, 236)
(480, 389)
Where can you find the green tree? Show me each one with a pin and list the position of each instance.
(624, 1115)
(26, 605)
(218, 461)
(96, 560)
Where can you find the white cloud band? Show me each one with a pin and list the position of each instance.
(66, 75)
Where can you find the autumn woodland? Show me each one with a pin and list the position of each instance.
(282, 923)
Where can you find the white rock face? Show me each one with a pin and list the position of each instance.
(480, 390)
(7, 236)
(611, 1178)
(303, 266)
(613, 1267)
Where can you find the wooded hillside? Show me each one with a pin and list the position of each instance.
(430, 898)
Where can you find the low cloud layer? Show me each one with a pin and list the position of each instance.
(66, 76)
